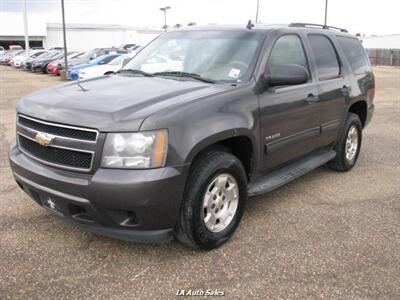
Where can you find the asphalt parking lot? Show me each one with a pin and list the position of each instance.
(325, 235)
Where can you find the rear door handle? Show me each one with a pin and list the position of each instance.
(345, 89)
(311, 98)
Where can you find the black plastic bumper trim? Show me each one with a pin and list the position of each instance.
(139, 236)
(50, 191)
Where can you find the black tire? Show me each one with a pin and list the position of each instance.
(340, 162)
(191, 229)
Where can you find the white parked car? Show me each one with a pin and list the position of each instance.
(161, 62)
(107, 69)
(19, 59)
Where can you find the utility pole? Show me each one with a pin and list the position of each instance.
(164, 9)
(65, 39)
(26, 29)
(258, 5)
(326, 12)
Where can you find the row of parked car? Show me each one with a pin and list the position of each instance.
(81, 64)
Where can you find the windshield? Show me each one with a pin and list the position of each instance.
(37, 54)
(43, 55)
(48, 55)
(88, 55)
(78, 55)
(218, 55)
(18, 52)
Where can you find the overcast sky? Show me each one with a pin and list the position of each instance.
(365, 16)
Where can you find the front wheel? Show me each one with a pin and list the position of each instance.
(213, 202)
(348, 147)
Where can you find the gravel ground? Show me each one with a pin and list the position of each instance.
(325, 235)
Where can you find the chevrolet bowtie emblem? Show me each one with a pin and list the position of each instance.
(43, 139)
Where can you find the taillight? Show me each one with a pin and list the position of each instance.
(372, 93)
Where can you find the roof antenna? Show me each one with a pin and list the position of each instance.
(249, 25)
(80, 86)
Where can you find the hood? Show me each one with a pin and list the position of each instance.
(57, 61)
(40, 61)
(115, 103)
(45, 60)
(54, 63)
(20, 58)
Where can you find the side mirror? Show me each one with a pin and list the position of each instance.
(289, 74)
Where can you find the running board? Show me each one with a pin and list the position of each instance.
(282, 176)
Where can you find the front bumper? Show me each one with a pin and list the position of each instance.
(84, 76)
(39, 67)
(26, 66)
(134, 205)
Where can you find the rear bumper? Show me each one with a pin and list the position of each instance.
(370, 113)
(134, 205)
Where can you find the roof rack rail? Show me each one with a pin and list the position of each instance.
(316, 26)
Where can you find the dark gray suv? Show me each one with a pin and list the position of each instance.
(172, 145)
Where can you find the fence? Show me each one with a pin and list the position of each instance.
(387, 57)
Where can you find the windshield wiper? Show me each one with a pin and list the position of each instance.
(135, 71)
(185, 74)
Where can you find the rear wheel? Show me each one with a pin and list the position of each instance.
(348, 147)
(213, 202)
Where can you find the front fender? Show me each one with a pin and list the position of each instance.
(216, 137)
(197, 124)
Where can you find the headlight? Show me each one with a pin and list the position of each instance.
(135, 150)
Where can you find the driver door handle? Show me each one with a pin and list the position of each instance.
(311, 98)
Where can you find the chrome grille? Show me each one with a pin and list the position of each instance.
(70, 132)
(70, 147)
(54, 155)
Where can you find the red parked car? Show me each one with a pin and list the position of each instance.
(54, 66)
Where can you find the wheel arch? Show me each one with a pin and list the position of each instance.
(360, 108)
(239, 142)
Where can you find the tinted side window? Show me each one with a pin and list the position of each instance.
(287, 50)
(355, 54)
(325, 56)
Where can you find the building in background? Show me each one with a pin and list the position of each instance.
(88, 36)
(12, 30)
(79, 36)
(382, 41)
(383, 49)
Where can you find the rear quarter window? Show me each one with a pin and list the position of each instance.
(325, 56)
(354, 53)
